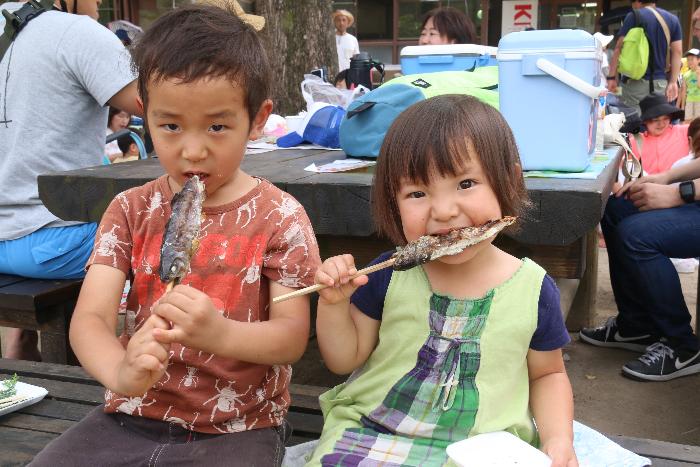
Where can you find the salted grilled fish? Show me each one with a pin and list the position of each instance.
(430, 247)
(182, 231)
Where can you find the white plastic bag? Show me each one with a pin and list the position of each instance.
(314, 89)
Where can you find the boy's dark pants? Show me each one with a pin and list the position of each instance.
(122, 440)
(645, 284)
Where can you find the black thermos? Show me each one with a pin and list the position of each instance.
(360, 71)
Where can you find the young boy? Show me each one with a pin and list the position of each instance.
(128, 148)
(200, 374)
(690, 92)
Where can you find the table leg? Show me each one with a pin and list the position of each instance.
(583, 307)
(55, 347)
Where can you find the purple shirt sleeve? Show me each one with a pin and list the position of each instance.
(551, 333)
(369, 299)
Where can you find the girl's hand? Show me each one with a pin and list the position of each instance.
(196, 323)
(561, 451)
(145, 360)
(335, 272)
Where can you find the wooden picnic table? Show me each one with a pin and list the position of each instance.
(72, 394)
(558, 232)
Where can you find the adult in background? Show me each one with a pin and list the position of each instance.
(446, 25)
(57, 78)
(345, 43)
(646, 223)
(117, 120)
(664, 78)
(662, 143)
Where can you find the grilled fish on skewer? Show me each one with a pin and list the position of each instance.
(181, 232)
(426, 248)
(430, 247)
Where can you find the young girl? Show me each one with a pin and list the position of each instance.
(463, 345)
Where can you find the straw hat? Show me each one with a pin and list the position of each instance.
(347, 14)
(255, 21)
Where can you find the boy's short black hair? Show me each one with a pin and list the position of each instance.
(341, 76)
(201, 41)
(124, 142)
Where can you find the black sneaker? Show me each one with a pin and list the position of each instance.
(661, 363)
(608, 335)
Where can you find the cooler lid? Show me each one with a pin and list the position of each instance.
(549, 41)
(448, 49)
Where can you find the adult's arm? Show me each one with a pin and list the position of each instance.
(696, 23)
(612, 69)
(672, 86)
(125, 100)
(660, 191)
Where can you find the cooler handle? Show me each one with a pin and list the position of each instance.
(570, 79)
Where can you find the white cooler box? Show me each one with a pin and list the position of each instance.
(451, 57)
(549, 83)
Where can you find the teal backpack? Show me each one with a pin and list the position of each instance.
(369, 117)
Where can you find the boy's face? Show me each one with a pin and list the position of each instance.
(202, 128)
(692, 61)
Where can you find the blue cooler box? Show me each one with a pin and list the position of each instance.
(451, 57)
(549, 83)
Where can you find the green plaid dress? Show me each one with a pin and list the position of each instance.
(443, 370)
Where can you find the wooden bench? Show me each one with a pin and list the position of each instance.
(72, 394)
(41, 305)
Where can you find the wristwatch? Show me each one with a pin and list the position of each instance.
(687, 191)
(610, 77)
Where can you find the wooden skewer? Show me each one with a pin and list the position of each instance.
(315, 288)
(170, 286)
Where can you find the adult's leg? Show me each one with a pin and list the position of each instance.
(646, 241)
(629, 303)
(49, 253)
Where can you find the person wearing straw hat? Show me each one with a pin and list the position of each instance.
(345, 43)
(255, 21)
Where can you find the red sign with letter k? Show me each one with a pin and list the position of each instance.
(521, 11)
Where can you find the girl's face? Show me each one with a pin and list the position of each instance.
(448, 203)
(658, 125)
(119, 121)
(431, 36)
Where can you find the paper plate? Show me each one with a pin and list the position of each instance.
(34, 394)
(500, 449)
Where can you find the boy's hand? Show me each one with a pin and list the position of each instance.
(561, 451)
(336, 272)
(145, 360)
(195, 321)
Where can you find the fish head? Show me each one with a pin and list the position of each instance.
(173, 267)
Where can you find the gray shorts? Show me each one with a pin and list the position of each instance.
(102, 439)
(634, 90)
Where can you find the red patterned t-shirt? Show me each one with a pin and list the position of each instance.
(263, 236)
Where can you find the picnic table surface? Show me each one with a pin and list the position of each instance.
(338, 204)
(73, 393)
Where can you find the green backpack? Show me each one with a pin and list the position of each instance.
(634, 57)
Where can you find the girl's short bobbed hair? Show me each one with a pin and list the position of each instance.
(438, 136)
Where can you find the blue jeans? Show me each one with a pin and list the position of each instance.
(644, 281)
(49, 253)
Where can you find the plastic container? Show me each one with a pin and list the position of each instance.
(451, 57)
(549, 85)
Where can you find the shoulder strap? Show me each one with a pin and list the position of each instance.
(667, 33)
(17, 20)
